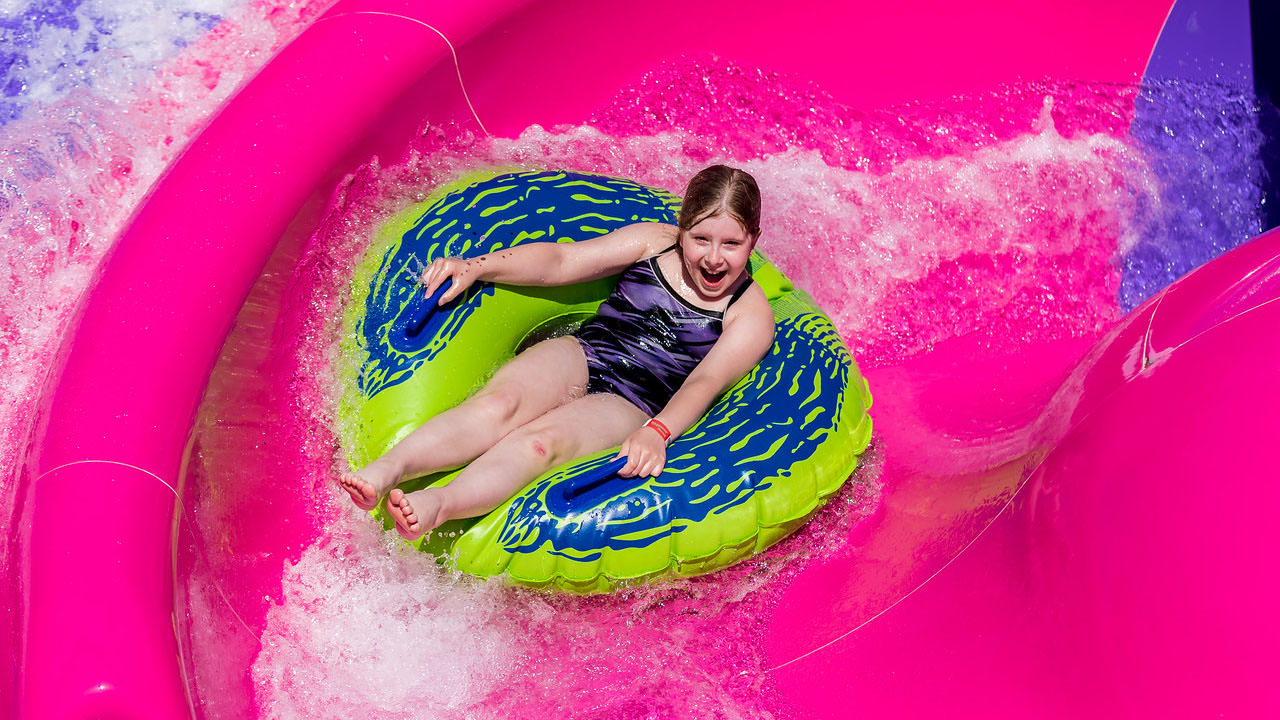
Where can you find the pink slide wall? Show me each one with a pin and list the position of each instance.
(1124, 578)
(1112, 582)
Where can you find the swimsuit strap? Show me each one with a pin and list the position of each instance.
(741, 288)
(657, 273)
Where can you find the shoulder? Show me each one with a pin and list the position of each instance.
(650, 238)
(613, 251)
(751, 313)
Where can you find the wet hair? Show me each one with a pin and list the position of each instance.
(722, 189)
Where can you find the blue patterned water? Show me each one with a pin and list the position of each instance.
(1203, 143)
(50, 48)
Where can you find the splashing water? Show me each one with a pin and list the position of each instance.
(96, 98)
(1206, 163)
(1017, 217)
(911, 227)
(96, 103)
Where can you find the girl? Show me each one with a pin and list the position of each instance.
(684, 323)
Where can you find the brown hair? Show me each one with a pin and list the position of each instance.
(718, 189)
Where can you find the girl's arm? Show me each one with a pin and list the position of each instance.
(746, 338)
(553, 263)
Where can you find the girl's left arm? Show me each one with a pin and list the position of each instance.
(746, 338)
(552, 263)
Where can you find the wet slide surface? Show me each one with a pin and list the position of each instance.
(995, 348)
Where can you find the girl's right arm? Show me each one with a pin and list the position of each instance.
(552, 263)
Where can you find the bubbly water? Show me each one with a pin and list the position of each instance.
(97, 98)
(1016, 218)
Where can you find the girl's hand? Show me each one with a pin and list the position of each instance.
(646, 453)
(462, 272)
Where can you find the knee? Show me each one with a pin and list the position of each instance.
(541, 442)
(499, 405)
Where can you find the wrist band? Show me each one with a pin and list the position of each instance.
(659, 428)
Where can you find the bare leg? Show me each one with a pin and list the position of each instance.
(543, 377)
(586, 425)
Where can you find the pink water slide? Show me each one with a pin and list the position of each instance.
(1117, 568)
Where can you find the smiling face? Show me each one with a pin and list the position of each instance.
(713, 254)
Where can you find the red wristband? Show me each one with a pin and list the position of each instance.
(659, 428)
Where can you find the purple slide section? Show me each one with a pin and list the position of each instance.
(1205, 41)
(1119, 568)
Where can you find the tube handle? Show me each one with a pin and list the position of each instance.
(427, 310)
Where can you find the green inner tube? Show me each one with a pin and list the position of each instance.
(760, 462)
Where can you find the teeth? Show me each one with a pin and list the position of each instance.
(712, 278)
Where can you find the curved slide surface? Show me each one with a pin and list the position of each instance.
(1113, 580)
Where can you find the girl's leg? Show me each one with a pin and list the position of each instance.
(586, 425)
(543, 377)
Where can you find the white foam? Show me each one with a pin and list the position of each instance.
(368, 628)
(99, 127)
(851, 237)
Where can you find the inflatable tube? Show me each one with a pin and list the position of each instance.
(763, 459)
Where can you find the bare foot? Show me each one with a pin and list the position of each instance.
(415, 517)
(367, 485)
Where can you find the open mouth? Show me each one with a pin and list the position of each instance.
(712, 279)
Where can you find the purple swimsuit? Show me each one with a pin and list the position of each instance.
(646, 339)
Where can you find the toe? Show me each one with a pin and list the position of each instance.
(393, 506)
(361, 492)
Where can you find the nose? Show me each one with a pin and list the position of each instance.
(713, 255)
